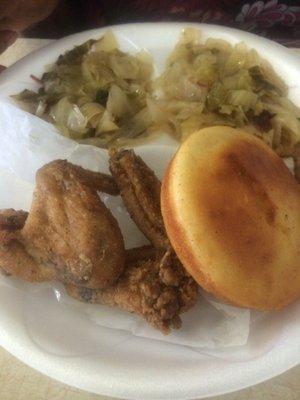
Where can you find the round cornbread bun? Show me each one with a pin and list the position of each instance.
(232, 213)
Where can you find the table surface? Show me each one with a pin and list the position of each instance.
(20, 382)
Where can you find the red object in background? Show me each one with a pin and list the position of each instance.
(276, 19)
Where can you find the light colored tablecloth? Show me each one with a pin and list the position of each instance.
(20, 382)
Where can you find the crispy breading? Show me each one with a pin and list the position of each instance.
(14, 259)
(140, 191)
(158, 289)
(12, 220)
(69, 235)
(69, 227)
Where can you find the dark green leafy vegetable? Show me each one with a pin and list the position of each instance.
(260, 82)
(75, 55)
(27, 96)
(101, 97)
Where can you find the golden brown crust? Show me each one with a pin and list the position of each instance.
(157, 288)
(68, 227)
(140, 191)
(147, 252)
(14, 259)
(12, 220)
(235, 220)
(70, 235)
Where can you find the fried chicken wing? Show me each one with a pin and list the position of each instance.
(140, 191)
(69, 235)
(165, 289)
(14, 259)
(296, 157)
(157, 288)
(69, 227)
(12, 220)
(141, 253)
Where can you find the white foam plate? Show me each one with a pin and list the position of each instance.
(64, 344)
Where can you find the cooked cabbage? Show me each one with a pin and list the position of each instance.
(94, 91)
(215, 83)
(99, 95)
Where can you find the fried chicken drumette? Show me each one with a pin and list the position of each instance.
(156, 288)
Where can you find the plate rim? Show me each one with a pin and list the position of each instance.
(7, 75)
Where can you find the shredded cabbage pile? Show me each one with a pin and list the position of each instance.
(214, 83)
(97, 94)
